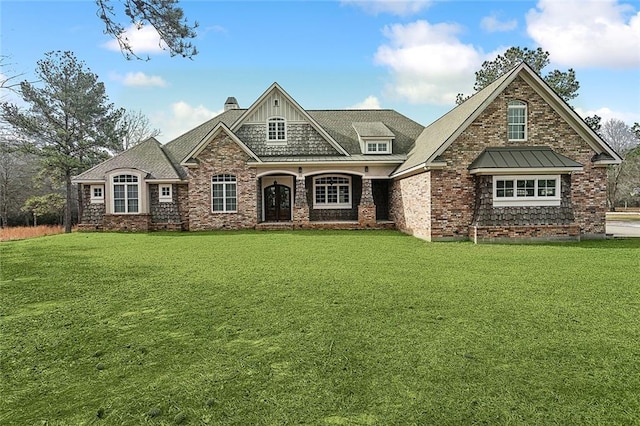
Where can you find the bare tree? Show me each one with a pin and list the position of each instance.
(17, 172)
(135, 128)
(624, 141)
(163, 15)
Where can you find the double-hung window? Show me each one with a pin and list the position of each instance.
(526, 191)
(517, 121)
(125, 194)
(276, 130)
(224, 193)
(332, 192)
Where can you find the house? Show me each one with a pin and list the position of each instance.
(512, 162)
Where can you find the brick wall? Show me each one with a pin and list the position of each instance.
(222, 156)
(410, 206)
(452, 192)
(127, 222)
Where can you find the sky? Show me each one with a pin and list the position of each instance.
(411, 56)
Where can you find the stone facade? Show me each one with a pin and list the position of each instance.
(222, 156)
(165, 213)
(92, 213)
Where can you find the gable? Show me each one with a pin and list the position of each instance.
(438, 136)
(275, 104)
(285, 107)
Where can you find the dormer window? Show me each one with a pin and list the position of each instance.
(517, 121)
(379, 147)
(374, 137)
(276, 130)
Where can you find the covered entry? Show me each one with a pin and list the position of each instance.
(277, 202)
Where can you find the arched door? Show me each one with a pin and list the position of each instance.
(277, 203)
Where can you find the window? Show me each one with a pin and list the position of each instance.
(97, 194)
(164, 193)
(517, 121)
(378, 147)
(276, 130)
(332, 192)
(224, 194)
(526, 191)
(125, 194)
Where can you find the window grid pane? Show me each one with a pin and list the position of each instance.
(223, 193)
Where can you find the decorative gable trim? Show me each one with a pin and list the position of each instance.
(220, 127)
(266, 95)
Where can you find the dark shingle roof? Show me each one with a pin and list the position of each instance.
(375, 129)
(339, 124)
(147, 156)
(526, 157)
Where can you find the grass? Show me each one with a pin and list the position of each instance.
(24, 232)
(336, 328)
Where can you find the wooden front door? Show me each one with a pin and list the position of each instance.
(277, 203)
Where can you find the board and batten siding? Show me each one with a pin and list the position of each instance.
(267, 109)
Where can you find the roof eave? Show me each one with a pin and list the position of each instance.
(523, 170)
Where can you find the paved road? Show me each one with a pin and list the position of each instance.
(623, 228)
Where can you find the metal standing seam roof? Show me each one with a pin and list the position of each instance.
(537, 157)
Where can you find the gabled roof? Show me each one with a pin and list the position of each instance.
(438, 136)
(220, 128)
(496, 160)
(308, 118)
(147, 156)
(178, 149)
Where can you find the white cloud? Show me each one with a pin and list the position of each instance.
(183, 117)
(371, 102)
(394, 7)
(493, 24)
(606, 114)
(140, 79)
(142, 39)
(587, 33)
(429, 63)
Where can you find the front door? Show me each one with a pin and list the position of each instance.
(277, 203)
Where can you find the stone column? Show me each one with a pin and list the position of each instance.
(366, 208)
(300, 205)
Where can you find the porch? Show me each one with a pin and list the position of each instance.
(323, 201)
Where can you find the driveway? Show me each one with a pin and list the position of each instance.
(623, 228)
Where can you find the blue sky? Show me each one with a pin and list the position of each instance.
(411, 56)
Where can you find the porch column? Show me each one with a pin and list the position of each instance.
(366, 208)
(300, 205)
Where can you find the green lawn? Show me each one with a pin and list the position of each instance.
(336, 328)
